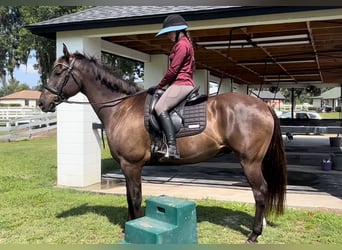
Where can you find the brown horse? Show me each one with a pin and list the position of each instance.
(235, 123)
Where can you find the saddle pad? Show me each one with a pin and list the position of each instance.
(194, 118)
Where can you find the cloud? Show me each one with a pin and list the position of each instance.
(28, 69)
(27, 74)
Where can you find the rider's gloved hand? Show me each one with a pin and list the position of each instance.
(151, 90)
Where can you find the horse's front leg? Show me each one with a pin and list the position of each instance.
(132, 174)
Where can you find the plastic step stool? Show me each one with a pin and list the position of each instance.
(167, 220)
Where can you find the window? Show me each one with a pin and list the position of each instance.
(213, 88)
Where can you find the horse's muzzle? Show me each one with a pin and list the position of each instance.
(49, 104)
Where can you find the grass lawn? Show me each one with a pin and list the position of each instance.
(330, 115)
(33, 210)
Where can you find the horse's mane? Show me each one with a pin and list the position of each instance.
(108, 78)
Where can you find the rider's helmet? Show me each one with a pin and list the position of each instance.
(173, 22)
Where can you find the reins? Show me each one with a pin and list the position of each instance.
(62, 98)
(118, 100)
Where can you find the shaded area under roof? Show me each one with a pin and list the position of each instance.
(268, 95)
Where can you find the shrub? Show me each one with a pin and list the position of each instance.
(312, 108)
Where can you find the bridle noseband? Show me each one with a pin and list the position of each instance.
(59, 92)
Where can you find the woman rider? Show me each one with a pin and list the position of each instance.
(178, 78)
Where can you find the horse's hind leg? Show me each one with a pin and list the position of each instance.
(255, 178)
(132, 174)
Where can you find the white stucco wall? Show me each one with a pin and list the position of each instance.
(155, 69)
(78, 145)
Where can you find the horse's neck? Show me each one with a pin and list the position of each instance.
(104, 101)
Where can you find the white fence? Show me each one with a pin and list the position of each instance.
(298, 107)
(27, 126)
(7, 113)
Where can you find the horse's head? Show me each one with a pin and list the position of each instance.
(62, 83)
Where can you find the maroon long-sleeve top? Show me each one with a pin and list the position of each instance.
(181, 68)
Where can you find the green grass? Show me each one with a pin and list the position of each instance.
(33, 210)
(330, 115)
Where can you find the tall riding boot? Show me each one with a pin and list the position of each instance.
(169, 130)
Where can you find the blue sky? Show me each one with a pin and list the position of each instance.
(27, 74)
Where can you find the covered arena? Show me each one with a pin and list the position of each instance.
(238, 48)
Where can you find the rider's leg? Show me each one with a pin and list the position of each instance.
(169, 131)
(171, 97)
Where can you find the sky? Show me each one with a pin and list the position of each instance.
(27, 74)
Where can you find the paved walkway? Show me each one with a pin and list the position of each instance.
(308, 188)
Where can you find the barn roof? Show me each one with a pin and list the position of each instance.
(24, 94)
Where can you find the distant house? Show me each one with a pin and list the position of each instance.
(331, 97)
(24, 98)
(272, 99)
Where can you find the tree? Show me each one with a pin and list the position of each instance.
(127, 69)
(9, 41)
(45, 48)
(12, 87)
(16, 42)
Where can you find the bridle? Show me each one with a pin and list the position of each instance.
(63, 98)
(59, 93)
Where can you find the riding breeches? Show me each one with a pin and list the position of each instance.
(173, 95)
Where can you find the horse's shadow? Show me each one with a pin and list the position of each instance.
(115, 215)
(236, 220)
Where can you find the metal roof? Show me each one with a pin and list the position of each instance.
(334, 93)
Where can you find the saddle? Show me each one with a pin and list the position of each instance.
(188, 117)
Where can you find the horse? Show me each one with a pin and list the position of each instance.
(236, 123)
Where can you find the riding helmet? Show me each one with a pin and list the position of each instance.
(173, 22)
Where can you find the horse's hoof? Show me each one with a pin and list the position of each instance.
(249, 241)
(252, 239)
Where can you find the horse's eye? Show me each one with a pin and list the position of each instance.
(58, 73)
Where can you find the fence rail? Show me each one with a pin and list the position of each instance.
(7, 113)
(27, 126)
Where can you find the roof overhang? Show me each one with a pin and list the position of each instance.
(291, 46)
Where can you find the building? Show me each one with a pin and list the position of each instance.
(236, 47)
(330, 98)
(24, 98)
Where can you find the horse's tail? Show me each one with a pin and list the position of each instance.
(275, 170)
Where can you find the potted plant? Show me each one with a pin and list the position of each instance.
(337, 160)
(335, 141)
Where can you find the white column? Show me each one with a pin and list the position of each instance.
(78, 145)
(201, 78)
(226, 86)
(155, 69)
(241, 88)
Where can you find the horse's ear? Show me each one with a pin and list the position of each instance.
(65, 51)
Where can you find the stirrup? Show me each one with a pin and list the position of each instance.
(173, 152)
(161, 151)
(170, 153)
